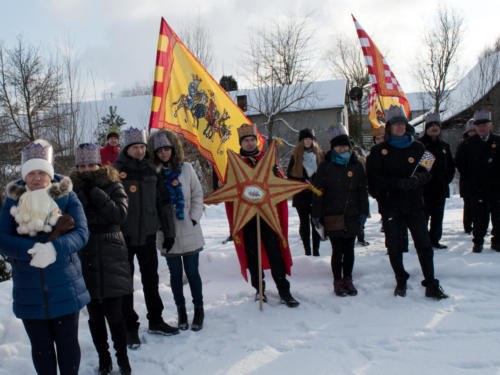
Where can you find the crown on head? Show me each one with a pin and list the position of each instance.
(394, 113)
(432, 118)
(482, 116)
(161, 140)
(134, 135)
(38, 150)
(246, 130)
(336, 130)
(88, 154)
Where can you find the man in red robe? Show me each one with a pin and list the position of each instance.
(110, 152)
(275, 255)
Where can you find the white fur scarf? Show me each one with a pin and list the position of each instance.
(35, 212)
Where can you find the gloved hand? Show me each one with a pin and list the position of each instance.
(407, 184)
(276, 171)
(64, 224)
(168, 243)
(194, 222)
(315, 221)
(43, 254)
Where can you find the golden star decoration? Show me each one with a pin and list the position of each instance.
(255, 191)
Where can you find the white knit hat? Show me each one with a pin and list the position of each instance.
(38, 155)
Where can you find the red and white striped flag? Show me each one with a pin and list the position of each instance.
(385, 89)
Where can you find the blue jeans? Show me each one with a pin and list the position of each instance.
(190, 262)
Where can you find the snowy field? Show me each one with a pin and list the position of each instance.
(372, 333)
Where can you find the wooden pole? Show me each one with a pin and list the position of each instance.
(259, 257)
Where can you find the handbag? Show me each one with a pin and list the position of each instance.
(334, 222)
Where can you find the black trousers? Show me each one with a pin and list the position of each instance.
(305, 228)
(434, 212)
(342, 260)
(109, 309)
(467, 218)
(148, 265)
(273, 251)
(484, 207)
(63, 332)
(394, 223)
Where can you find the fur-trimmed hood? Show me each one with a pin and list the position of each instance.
(103, 177)
(178, 151)
(61, 186)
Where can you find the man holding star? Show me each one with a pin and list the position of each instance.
(275, 251)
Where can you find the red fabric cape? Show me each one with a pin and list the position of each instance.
(238, 238)
(109, 154)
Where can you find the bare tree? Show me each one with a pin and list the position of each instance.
(436, 69)
(280, 69)
(139, 88)
(196, 37)
(29, 89)
(346, 61)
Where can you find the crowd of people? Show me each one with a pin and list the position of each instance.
(72, 241)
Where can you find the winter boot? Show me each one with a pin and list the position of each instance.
(119, 336)
(100, 337)
(182, 319)
(339, 289)
(199, 316)
(361, 238)
(264, 297)
(133, 340)
(400, 289)
(477, 248)
(433, 289)
(349, 287)
(162, 328)
(437, 245)
(287, 299)
(495, 246)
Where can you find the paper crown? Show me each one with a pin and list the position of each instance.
(246, 130)
(38, 149)
(88, 154)
(336, 130)
(432, 118)
(133, 135)
(161, 140)
(394, 114)
(481, 117)
(113, 131)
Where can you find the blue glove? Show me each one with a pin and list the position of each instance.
(315, 221)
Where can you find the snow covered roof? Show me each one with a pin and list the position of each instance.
(474, 86)
(419, 101)
(324, 95)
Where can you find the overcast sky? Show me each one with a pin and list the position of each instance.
(116, 39)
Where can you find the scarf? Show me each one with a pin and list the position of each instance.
(299, 153)
(341, 159)
(401, 142)
(174, 188)
(309, 163)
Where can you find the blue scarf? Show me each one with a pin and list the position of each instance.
(174, 188)
(401, 142)
(341, 159)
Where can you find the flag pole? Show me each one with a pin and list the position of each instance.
(259, 257)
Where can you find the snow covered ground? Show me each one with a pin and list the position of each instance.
(372, 333)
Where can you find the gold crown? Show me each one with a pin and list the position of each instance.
(246, 129)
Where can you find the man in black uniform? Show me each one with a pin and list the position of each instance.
(478, 161)
(442, 173)
(464, 184)
(397, 179)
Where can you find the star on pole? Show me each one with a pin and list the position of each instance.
(255, 191)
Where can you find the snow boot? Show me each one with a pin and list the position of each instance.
(100, 338)
(162, 328)
(361, 238)
(182, 319)
(119, 336)
(349, 287)
(477, 248)
(433, 289)
(339, 289)
(133, 340)
(437, 245)
(199, 316)
(400, 289)
(287, 299)
(264, 297)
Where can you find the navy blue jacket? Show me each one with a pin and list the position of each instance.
(59, 288)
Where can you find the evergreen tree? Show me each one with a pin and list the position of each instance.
(111, 120)
(4, 269)
(228, 83)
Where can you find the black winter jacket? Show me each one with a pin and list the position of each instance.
(442, 171)
(105, 265)
(389, 168)
(344, 192)
(139, 179)
(479, 164)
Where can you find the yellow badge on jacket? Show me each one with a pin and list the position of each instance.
(132, 188)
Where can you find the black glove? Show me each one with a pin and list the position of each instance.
(407, 184)
(276, 171)
(194, 222)
(168, 243)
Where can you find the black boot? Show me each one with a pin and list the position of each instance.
(349, 286)
(182, 320)
(307, 250)
(100, 338)
(119, 336)
(477, 248)
(133, 340)
(162, 328)
(199, 315)
(361, 238)
(433, 289)
(287, 299)
(338, 288)
(400, 289)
